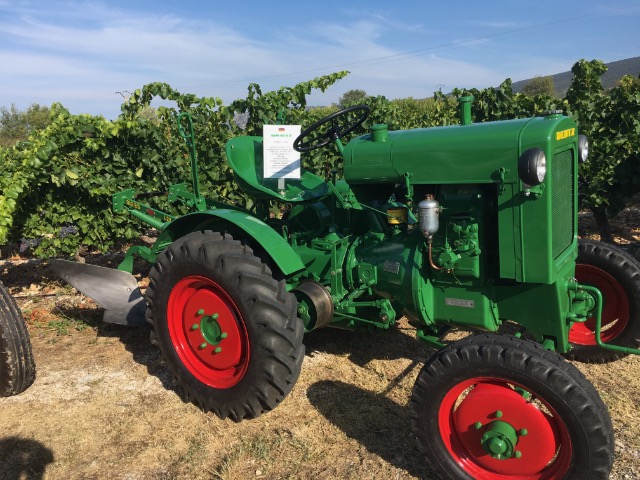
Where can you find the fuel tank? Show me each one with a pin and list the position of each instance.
(454, 154)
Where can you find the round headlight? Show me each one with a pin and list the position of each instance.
(583, 147)
(532, 166)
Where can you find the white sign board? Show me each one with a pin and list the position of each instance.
(280, 159)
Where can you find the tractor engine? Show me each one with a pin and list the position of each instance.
(447, 225)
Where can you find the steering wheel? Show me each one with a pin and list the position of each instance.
(341, 125)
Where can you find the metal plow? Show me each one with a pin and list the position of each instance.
(115, 290)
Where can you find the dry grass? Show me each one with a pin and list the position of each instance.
(102, 406)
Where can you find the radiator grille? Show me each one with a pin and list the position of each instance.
(563, 201)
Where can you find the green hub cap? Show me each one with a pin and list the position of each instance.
(210, 329)
(499, 440)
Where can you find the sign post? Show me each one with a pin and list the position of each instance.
(280, 159)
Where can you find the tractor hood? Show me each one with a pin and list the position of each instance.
(454, 154)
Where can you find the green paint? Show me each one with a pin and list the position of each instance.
(245, 158)
(237, 221)
(598, 332)
(211, 330)
(465, 110)
(499, 440)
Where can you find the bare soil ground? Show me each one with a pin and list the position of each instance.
(103, 406)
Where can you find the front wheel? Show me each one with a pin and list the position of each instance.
(228, 331)
(617, 275)
(17, 368)
(496, 407)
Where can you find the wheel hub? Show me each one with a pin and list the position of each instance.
(210, 329)
(517, 440)
(208, 332)
(499, 440)
(615, 312)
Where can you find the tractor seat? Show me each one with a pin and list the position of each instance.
(244, 155)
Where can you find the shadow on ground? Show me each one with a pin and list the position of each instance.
(362, 347)
(379, 424)
(135, 340)
(21, 458)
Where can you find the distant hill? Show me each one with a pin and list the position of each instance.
(616, 70)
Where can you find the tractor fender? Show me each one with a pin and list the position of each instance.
(276, 247)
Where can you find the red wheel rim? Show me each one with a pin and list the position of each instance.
(470, 408)
(615, 312)
(208, 332)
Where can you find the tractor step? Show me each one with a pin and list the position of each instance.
(115, 290)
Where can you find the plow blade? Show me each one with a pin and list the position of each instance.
(115, 290)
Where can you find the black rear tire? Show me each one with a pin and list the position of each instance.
(617, 275)
(17, 368)
(569, 430)
(254, 365)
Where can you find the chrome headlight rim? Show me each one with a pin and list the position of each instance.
(532, 166)
(583, 148)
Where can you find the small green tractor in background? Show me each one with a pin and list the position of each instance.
(470, 226)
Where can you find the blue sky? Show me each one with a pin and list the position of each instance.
(81, 53)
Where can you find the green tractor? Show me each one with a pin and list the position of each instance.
(465, 226)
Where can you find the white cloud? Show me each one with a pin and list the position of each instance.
(495, 24)
(81, 52)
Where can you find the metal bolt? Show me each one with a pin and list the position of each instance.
(477, 425)
(498, 414)
(217, 350)
(523, 432)
(224, 335)
(201, 311)
(194, 327)
(215, 316)
(202, 346)
(517, 454)
(300, 310)
(497, 446)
